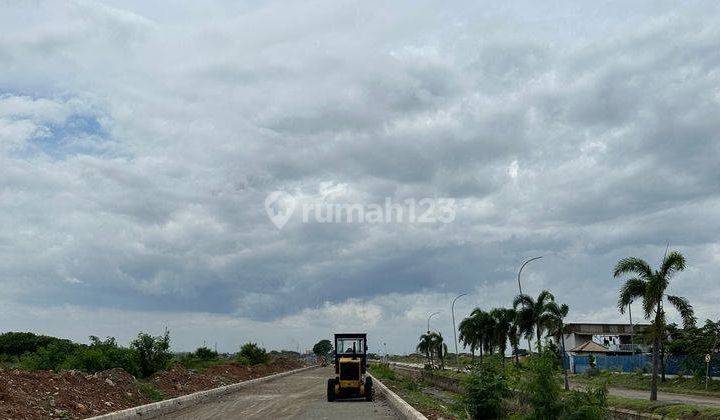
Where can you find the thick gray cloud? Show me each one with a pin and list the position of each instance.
(138, 142)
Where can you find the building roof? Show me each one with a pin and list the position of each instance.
(590, 347)
(604, 329)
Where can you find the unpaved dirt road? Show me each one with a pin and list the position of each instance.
(301, 396)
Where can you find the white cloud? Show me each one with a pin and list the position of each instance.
(138, 143)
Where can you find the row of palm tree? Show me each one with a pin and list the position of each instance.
(488, 332)
(532, 318)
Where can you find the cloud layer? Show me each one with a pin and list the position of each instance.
(138, 143)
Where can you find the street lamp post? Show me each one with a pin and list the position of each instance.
(428, 323)
(520, 288)
(452, 309)
(521, 269)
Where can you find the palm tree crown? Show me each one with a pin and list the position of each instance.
(531, 314)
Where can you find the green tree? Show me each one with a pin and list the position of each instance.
(503, 322)
(439, 348)
(650, 286)
(531, 315)
(322, 348)
(555, 317)
(514, 337)
(205, 354)
(153, 352)
(469, 334)
(253, 354)
(485, 388)
(425, 346)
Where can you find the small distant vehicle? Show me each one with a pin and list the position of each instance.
(351, 380)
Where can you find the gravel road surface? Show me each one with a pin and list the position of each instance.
(301, 396)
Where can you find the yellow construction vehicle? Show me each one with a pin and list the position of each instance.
(350, 379)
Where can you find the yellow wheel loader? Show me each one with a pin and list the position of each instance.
(350, 379)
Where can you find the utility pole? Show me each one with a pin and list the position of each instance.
(452, 309)
(520, 289)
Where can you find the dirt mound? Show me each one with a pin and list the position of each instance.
(73, 394)
(180, 381)
(34, 395)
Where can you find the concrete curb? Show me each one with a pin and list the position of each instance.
(406, 410)
(149, 411)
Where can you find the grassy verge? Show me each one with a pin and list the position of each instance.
(431, 402)
(689, 386)
(665, 408)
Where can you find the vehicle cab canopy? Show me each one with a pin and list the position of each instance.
(351, 347)
(351, 344)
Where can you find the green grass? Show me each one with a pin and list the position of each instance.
(416, 393)
(201, 365)
(150, 391)
(673, 385)
(664, 408)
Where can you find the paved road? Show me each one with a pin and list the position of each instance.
(301, 395)
(662, 396)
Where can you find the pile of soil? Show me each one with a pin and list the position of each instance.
(180, 381)
(73, 394)
(33, 395)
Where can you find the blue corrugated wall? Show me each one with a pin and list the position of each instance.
(687, 365)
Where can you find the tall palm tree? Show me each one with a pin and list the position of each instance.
(530, 315)
(555, 317)
(504, 319)
(514, 336)
(488, 334)
(481, 324)
(439, 347)
(425, 346)
(650, 285)
(469, 334)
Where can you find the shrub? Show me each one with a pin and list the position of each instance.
(19, 343)
(588, 405)
(205, 354)
(48, 358)
(152, 352)
(102, 355)
(485, 389)
(252, 354)
(540, 387)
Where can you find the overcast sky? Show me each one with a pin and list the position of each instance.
(139, 140)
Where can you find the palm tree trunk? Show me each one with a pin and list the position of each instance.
(537, 337)
(517, 357)
(662, 361)
(562, 359)
(529, 346)
(655, 358)
(481, 354)
(653, 381)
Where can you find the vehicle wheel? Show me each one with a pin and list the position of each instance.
(368, 389)
(331, 390)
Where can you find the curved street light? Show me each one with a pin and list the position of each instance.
(452, 309)
(428, 323)
(520, 287)
(521, 269)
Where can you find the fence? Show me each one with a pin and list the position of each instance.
(687, 365)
